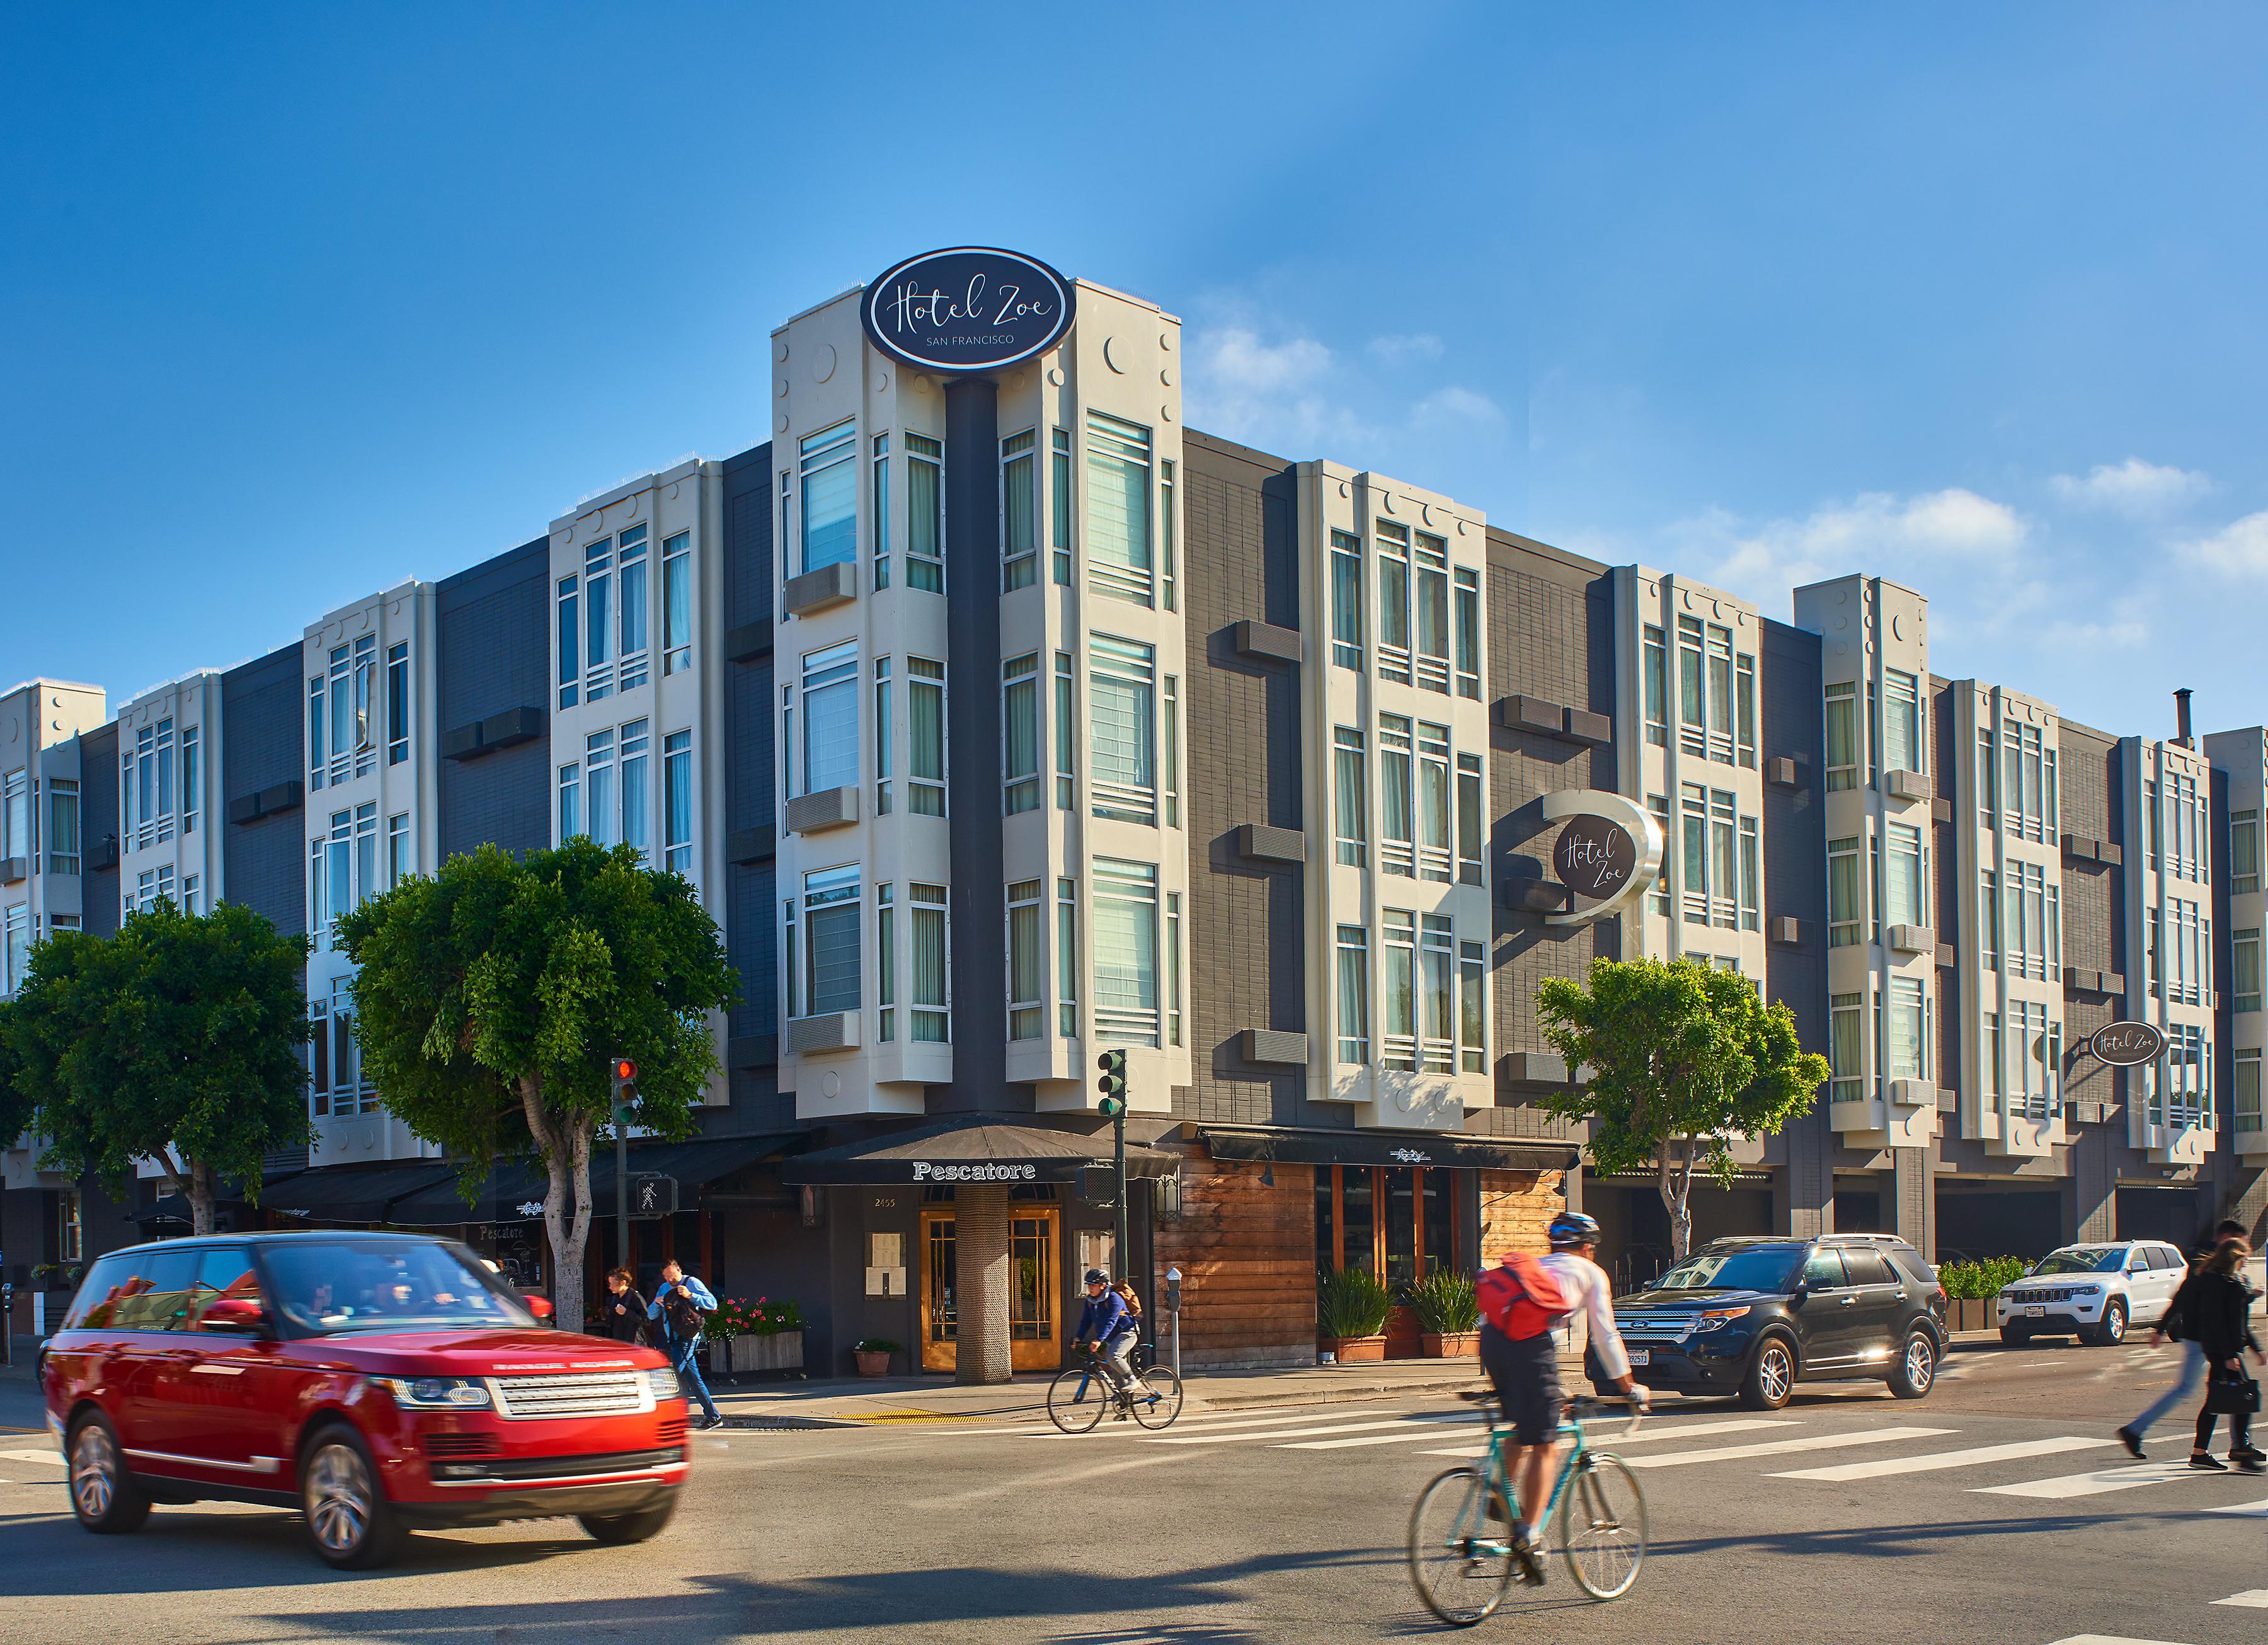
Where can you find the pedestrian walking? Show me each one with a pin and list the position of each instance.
(2219, 1316)
(682, 1305)
(623, 1314)
(2173, 1327)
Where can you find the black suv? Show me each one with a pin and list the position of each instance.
(1755, 1316)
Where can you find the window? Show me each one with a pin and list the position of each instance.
(830, 497)
(2150, 949)
(1433, 853)
(1712, 860)
(1066, 736)
(1720, 693)
(830, 718)
(319, 1058)
(926, 514)
(1397, 838)
(1904, 1055)
(2030, 1083)
(2188, 951)
(2150, 825)
(1654, 667)
(1659, 804)
(1990, 1052)
(343, 870)
(1842, 737)
(598, 620)
(350, 1093)
(570, 795)
(1393, 539)
(677, 802)
(831, 940)
(1744, 690)
(1469, 634)
(2243, 851)
(1125, 952)
(1901, 721)
(1121, 739)
(2026, 924)
(570, 668)
(1432, 555)
(2245, 1108)
(1399, 955)
(1751, 877)
(881, 532)
(598, 786)
(192, 779)
(398, 866)
(1020, 718)
(637, 794)
(1170, 723)
(63, 827)
(881, 736)
(1067, 958)
(1173, 968)
(1351, 795)
(1905, 889)
(1019, 526)
(1353, 994)
(70, 1243)
(1118, 508)
(2188, 1077)
(147, 793)
(1027, 968)
(1167, 542)
(2025, 792)
(1346, 600)
(2182, 825)
(2244, 956)
(926, 735)
(886, 961)
(1988, 919)
(15, 949)
(677, 603)
(1060, 499)
(791, 985)
(1437, 967)
(932, 1002)
(397, 706)
(1472, 1016)
(15, 815)
(1471, 818)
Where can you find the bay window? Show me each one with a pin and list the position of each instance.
(1901, 721)
(1123, 730)
(831, 939)
(677, 603)
(1027, 967)
(2244, 1107)
(879, 537)
(829, 474)
(1904, 1053)
(1066, 736)
(1905, 891)
(63, 827)
(1471, 818)
(2243, 851)
(1019, 526)
(1351, 792)
(598, 786)
(570, 796)
(1167, 542)
(1846, 1048)
(1842, 737)
(1067, 958)
(148, 792)
(1169, 722)
(1353, 975)
(886, 963)
(2244, 967)
(1346, 600)
(631, 639)
(830, 718)
(1988, 919)
(598, 620)
(16, 814)
(925, 513)
(350, 1092)
(677, 802)
(1655, 685)
(1118, 538)
(1397, 852)
(636, 791)
(1392, 540)
(1468, 633)
(926, 735)
(882, 751)
(1019, 737)
(1126, 952)
(1433, 851)
(1173, 968)
(398, 866)
(1060, 503)
(1437, 963)
(930, 968)
(1472, 1014)
(1744, 691)
(1432, 613)
(1399, 958)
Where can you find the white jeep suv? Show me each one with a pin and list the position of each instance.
(2094, 1292)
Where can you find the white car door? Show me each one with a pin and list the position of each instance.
(2141, 1296)
(2166, 1270)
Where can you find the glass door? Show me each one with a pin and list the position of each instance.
(938, 1320)
(1034, 1289)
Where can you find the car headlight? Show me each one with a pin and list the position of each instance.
(2090, 1290)
(436, 1393)
(662, 1381)
(1716, 1318)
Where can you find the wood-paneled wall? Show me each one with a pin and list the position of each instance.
(1247, 1253)
(1515, 1207)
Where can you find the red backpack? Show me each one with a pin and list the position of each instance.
(1523, 1298)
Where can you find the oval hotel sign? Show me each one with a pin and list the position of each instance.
(970, 308)
(1593, 857)
(2128, 1044)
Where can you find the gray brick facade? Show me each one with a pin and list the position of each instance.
(263, 743)
(492, 637)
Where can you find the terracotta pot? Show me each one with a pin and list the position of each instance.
(872, 1364)
(1451, 1345)
(1353, 1350)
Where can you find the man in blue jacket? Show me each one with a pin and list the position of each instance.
(682, 1304)
(1106, 1324)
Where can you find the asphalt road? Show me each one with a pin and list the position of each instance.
(1255, 1526)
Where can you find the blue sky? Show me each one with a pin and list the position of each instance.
(294, 302)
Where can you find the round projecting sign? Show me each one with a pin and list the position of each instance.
(2128, 1044)
(1593, 857)
(970, 308)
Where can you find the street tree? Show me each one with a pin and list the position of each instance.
(491, 997)
(176, 1041)
(1678, 1059)
(15, 1091)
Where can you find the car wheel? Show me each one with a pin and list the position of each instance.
(1917, 1367)
(103, 1493)
(2012, 1337)
(2112, 1331)
(348, 1519)
(619, 1528)
(1771, 1375)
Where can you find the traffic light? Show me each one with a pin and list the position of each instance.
(623, 1072)
(1113, 1083)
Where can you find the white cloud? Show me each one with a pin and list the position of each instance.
(1876, 532)
(1237, 364)
(1405, 350)
(1454, 404)
(2133, 487)
(2237, 550)
(2124, 633)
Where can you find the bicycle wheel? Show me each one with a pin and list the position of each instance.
(1602, 1527)
(1460, 1559)
(1162, 1404)
(1076, 1399)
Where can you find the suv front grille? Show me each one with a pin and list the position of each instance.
(586, 1394)
(2058, 1294)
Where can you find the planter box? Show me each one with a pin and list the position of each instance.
(1353, 1350)
(1969, 1313)
(1454, 1345)
(872, 1364)
(781, 1351)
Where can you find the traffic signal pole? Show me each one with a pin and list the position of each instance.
(1112, 1087)
(1118, 1160)
(624, 1073)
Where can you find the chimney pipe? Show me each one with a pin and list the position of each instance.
(2182, 718)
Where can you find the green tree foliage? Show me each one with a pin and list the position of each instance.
(15, 1091)
(177, 1041)
(491, 996)
(1681, 1058)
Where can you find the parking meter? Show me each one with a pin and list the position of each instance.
(1174, 1308)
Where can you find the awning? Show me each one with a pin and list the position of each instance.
(514, 1190)
(1386, 1147)
(971, 1150)
(351, 1193)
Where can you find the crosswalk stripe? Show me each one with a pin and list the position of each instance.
(2260, 1507)
(1774, 1448)
(1405, 1433)
(2107, 1638)
(1037, 1431)
(2126, 1479)
(53, 1456)
(2255, 1598)
(1231, 1439)
(1675, 1430)
(1935, 1460)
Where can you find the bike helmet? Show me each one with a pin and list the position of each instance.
(1095, 1276)
(1571, 1228)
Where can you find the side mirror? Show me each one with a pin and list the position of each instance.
(233, 1313)
(540, 1307)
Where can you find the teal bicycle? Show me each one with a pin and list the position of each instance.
(1461, 1557)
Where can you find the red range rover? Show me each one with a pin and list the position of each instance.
(377, 1381)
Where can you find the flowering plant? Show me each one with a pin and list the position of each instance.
(737, 1317)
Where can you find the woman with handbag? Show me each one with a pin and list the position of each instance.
(2217, 1323)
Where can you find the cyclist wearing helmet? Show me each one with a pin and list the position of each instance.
(1526, 1372)
(1107, 1326)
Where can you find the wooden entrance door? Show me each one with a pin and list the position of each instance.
(1034, 1288)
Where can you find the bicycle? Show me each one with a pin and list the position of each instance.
(1461, 1568)
(1071, 1409)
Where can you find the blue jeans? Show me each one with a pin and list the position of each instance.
(2185, 1384)
(685, 1356)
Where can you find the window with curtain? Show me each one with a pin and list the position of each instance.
(2244, 967)
(1846, 1048)
(1901, 721)
(1019, 735)
(829, 477)
(1353, 994)
(1472, 818)
(1027, 967)
(1059, 502)
(677, 603)
(1397, 797)
(1433, 611)
(1019, 525)
(632, 641)
(1346, 600)
(830, 718)
(62, 826)
(1472, 1016)
(1653, 666)
(886, 964)
(1842, 737)
(2243, 851)
(1392, 540)
(1904, 1051)
(1905, 885)
(882, 746)
(931, 1004)
(831, 917)
(1434, 862)
(1438, 968)
(1468, 633)
(16, 814)
(925, 513)
(1118, 536)
(1066, 735)
(1351, 795)
(2244, 1106)
(1126, 1008)
(926, 735)
(879, 466)
(1398, 963)
(677, 801)
(1122, 741)
(1067, 958)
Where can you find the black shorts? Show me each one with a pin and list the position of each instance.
(1527, 1377)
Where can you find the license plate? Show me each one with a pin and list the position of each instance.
(1640, 1356)
(2035, 1313)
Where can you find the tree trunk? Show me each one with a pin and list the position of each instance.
(201, 1197)
(980, 1262)
(565, 1145)
(1676, 1196)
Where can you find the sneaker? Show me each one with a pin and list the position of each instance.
(2132, 1441)
(2247, 1453)
(2251, 1464)
(707, 1423)
(1529, 1561)
(2203, 1462)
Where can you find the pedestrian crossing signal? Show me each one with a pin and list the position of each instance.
(1113, 1083)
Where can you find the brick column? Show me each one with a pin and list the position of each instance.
(980, 1260)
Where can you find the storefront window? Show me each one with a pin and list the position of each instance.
(1399, 1221)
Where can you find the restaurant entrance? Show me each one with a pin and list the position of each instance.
(1400, 1222)
(1034, 1288)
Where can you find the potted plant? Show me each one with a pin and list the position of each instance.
(1350, 1308)
(770, 1335)
(1448, 1314)
(873, 1356)
(1970, 1287)
(719, 1332)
